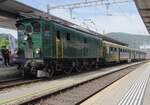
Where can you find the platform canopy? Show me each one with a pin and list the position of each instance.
(144, 9)
(10, 10)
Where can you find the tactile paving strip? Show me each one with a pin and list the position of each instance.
(135, 94)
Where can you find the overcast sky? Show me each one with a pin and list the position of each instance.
(124, 17)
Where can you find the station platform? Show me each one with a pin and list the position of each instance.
(133, 89)
(8, 73)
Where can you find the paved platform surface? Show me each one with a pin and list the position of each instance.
(133, 89)
(146, 100)
(8, 73)
(22, 93)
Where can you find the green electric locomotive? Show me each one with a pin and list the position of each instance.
(50, 46)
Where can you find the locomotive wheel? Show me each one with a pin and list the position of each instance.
(58, 67)
(25, 73)
(96, 66)
(50, 72)
(87, 68)
(68, 70)
(78, 69)
(82, 68)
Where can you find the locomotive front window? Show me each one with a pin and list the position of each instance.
(46, 27)
(28, 29)
(36, 26)
(21, 27)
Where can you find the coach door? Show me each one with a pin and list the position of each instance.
(59, 46)
(119, 54)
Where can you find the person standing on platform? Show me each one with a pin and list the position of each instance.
(6, 55)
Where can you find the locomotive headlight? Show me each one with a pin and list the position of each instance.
(37, 51)
(29, 33)
(26, 38)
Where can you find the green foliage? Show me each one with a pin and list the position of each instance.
(4, 42)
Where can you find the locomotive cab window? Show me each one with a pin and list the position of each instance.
(58, 35)
(20, 27)
(68, 36)
(36, 26)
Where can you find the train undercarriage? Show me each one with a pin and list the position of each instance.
(48, 67)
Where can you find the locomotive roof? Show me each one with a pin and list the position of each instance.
(96, 34)
(77, 27)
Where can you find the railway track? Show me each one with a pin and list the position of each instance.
(10, 83)
(77, 93)
(16, 82)
(8, 80)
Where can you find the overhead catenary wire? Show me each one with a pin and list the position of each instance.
(129, 18)
(87, 3)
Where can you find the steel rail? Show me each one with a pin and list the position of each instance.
(17, 82)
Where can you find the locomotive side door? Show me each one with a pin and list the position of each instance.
(29, 45)
(59, 45)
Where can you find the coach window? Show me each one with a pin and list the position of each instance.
(111, 49)
(36, 26)
(68, 36)
(115, 49)
(58, 34)
(121, 50)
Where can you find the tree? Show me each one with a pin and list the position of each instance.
(4, 42)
